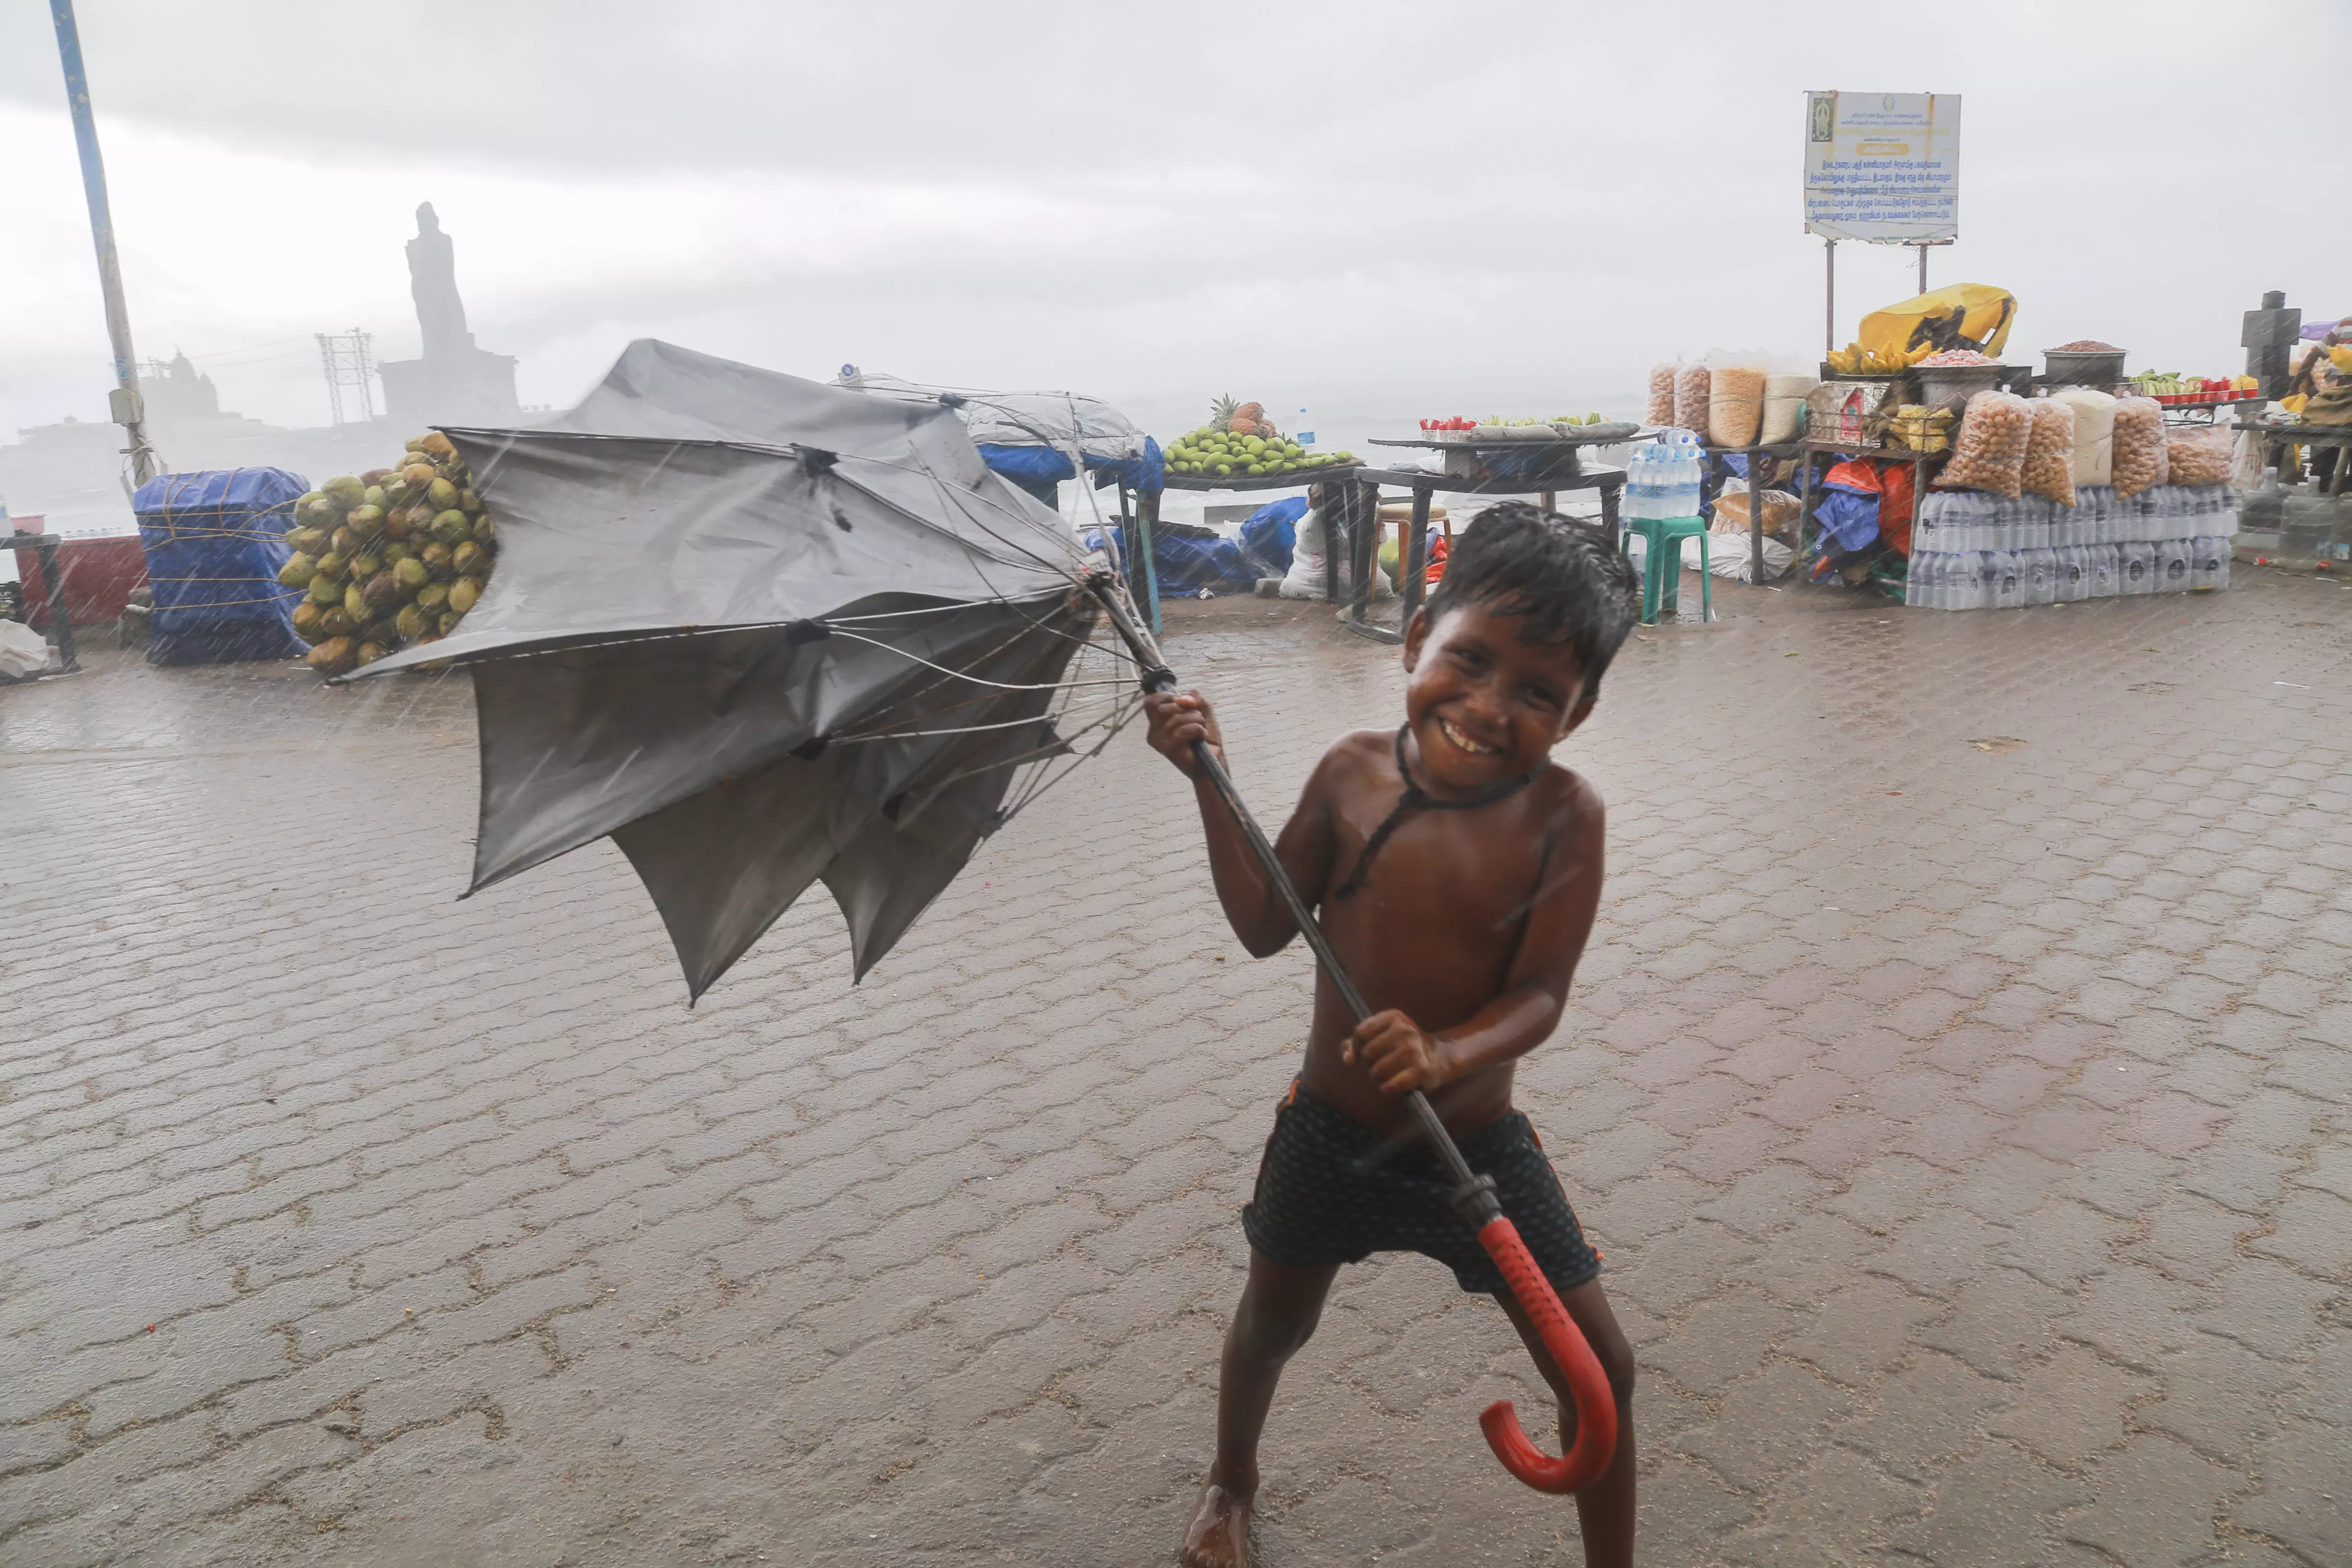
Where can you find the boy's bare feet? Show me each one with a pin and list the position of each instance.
(1220, 1532)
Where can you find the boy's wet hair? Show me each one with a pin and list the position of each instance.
(1565, 579)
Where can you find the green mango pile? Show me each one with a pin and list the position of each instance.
(1239, 442)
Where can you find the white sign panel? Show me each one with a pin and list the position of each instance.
(1883, 166)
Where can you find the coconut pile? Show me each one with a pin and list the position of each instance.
(388, 558)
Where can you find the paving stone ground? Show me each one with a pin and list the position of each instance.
(1965, 1126)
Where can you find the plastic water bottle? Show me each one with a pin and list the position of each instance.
(1922, 586)
(1635, 504)
(2135, 568)
(2074, 573)
(2172, 560)
(1937, 520)
(2004, 580)
(2103, 563)
(1687, 483)
(1984, 582)
(1964, 579)
(2041, 573)
(2209, 563)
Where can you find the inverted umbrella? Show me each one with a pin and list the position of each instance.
(763, 632)
(760, 632)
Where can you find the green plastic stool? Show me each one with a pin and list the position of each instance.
(1662, 564)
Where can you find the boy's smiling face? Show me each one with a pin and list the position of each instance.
(1482, 704)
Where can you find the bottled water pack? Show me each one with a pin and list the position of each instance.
(1972, 550)
(1662, 478)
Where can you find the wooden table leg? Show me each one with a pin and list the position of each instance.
(1612, 518)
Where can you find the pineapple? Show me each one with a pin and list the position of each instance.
(1221, 413)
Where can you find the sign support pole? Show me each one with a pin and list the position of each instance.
(1922, 268)
(1829, 302)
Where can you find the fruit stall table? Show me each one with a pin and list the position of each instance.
(1554, 465)
(1713, 481)
(1343, 502)
(43, 548)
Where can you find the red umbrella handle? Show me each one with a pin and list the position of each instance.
(1596, 1402)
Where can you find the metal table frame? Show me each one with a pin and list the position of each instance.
(44, 547)
(1712, 486)
(2276, 438)
(1413, 559)
(1810, 451)
(1338, 479)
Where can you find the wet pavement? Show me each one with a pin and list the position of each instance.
(1956, 1084)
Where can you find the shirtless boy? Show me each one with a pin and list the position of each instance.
(1456, 870)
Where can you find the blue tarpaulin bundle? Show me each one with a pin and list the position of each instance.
(1187, 560)
(215, 543)
(1270, 537)
(1035, 468)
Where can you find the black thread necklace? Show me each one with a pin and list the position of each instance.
(1417, 799)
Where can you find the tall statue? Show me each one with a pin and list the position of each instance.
(432, 283)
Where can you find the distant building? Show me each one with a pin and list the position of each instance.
(179, 393)
(452, 382)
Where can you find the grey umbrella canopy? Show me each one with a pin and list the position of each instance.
(761, 631)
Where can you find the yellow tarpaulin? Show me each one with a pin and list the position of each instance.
(1962, 315)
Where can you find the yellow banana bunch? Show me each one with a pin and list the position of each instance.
(1855, 360)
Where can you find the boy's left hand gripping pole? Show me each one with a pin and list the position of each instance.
(1474, 1195)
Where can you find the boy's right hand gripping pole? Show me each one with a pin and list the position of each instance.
(1596, 1402)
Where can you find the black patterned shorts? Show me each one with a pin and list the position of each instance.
(1313, 1206)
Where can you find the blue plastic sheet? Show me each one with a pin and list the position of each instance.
(215, 542)
(1270, 535)
(1849, 518)
(1185, 563)
(1031, 468)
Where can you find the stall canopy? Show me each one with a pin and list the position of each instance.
(1035, 438)
(762, 632)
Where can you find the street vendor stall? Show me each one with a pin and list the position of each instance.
(1240, 449)
(1995, 500)
(1543, 461)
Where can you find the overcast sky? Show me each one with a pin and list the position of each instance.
(1406, 209)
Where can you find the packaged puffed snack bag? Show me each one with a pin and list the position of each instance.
(1988, 454)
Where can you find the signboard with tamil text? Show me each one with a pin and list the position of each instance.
(1883, 166)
